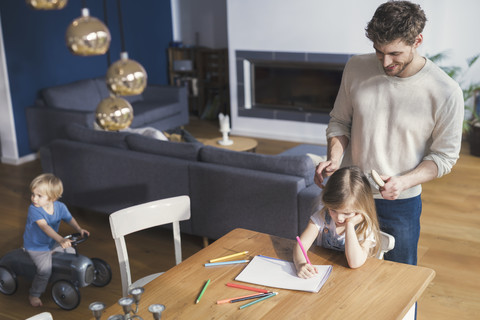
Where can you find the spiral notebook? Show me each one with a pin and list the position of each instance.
(276, 273)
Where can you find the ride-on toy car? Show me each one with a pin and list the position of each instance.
(70, 271)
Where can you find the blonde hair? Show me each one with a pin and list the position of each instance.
(49, 184)
(349, 187)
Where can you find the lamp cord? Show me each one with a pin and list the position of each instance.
(84, 3)
(120, 22)
(105, 17)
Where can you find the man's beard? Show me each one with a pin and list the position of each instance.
(397, 73)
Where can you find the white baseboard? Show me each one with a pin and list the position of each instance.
(21, 160)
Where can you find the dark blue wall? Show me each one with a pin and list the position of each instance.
(37, 57)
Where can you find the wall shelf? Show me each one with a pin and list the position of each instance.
(205, 72)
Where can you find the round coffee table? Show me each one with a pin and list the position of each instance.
(239, 144)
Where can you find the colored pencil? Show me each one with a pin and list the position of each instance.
(229, 256)
(239, 286)
(225, 263)
(260, 295)
(303, 250)
(203, 291)
(235, 298)
(259, 300)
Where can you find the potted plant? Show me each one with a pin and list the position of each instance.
(471, 96)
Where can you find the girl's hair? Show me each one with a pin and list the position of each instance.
(49, 184)
(396, 20)
(349, 188)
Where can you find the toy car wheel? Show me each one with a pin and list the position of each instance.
(8, 281)
(65, 294)
(103, 273)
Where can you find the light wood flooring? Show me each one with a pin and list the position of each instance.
(449, 241)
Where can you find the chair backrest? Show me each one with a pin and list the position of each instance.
(41, 316)
(144, 216)
(387, 244)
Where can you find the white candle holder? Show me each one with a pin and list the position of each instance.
(224, 129)
(225, 141)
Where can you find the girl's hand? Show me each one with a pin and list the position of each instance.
(306, 271)
(356, 219)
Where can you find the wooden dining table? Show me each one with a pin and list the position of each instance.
(377, 290)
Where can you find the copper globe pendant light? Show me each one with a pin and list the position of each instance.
(114, 113)
(47, 4)
(125, 77)
(87, 36)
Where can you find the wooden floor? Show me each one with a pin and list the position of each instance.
(449, 241)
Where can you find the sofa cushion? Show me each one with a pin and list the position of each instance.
(80, 133)
(187, 151)
(296, 165)
(147, 111)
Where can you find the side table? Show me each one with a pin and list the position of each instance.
(239, 144)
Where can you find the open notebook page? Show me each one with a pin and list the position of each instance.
(282, 274)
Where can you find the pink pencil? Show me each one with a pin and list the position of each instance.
(303, 250)
(234, 285)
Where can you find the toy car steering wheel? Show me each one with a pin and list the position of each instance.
(76, 238)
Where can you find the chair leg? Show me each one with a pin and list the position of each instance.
(205, 242)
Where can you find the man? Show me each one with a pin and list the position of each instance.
(400, 114)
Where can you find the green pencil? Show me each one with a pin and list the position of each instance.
(203, 291)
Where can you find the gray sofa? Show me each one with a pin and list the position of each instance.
(107, 171)
(160, 107)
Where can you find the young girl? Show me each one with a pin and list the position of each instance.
(41, 230)
(347, 222)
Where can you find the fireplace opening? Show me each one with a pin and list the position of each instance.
(292, 86)
(305, 87)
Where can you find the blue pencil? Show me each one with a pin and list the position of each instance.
(258, 300)
(225, 263)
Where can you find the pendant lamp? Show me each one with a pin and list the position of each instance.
(87, 36)
(126, 77)
(114, 113)
(47, 4)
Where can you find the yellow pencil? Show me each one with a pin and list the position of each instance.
(228, 257)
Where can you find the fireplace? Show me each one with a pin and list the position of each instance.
(292, 86)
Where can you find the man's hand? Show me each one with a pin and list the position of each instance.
(392, 188)
(324, 169)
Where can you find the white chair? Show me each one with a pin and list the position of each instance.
(387, 244)
(144, 216)
(41, 316)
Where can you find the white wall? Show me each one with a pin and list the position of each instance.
(8, 138)
(202, 21)
(333, 27)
